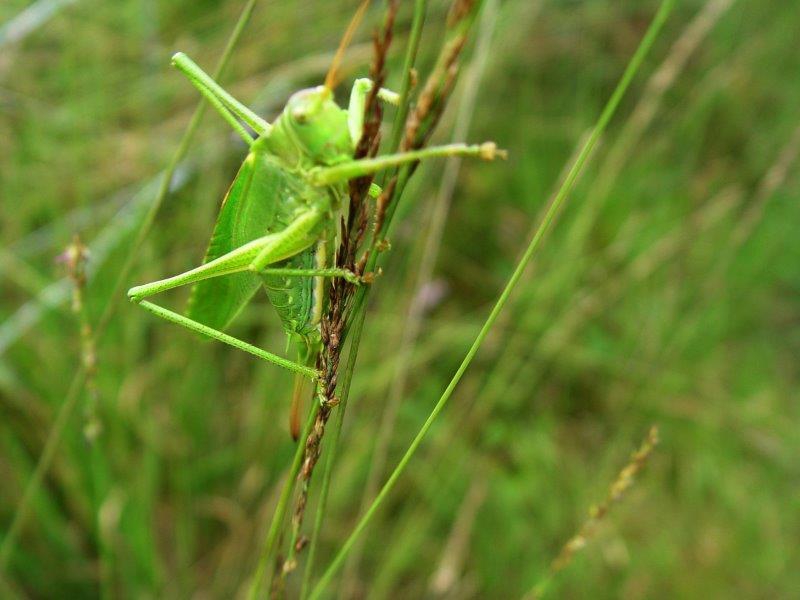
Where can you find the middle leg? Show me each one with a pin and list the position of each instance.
(331, 272)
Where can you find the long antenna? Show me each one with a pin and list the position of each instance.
(330, 78)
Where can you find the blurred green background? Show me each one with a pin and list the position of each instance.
(666, 294)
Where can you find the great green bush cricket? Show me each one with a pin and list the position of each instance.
(278, 223)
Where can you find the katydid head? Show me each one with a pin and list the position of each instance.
(319, 125)
(312, 124)
(314, 118)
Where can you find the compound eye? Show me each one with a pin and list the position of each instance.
(300, 116)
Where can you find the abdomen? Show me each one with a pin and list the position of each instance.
(297, 299)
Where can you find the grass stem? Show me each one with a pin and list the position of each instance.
(280, 510)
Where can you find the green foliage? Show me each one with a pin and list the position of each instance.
(666, 293)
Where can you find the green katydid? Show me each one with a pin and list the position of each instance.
(278, 222)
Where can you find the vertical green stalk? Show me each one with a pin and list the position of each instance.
(73, 394)
(533, 246)
(283, 505)
(75, 258)
(331, 458)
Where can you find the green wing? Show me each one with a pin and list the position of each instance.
(247, 213)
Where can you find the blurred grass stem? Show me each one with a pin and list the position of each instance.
(587, 531)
